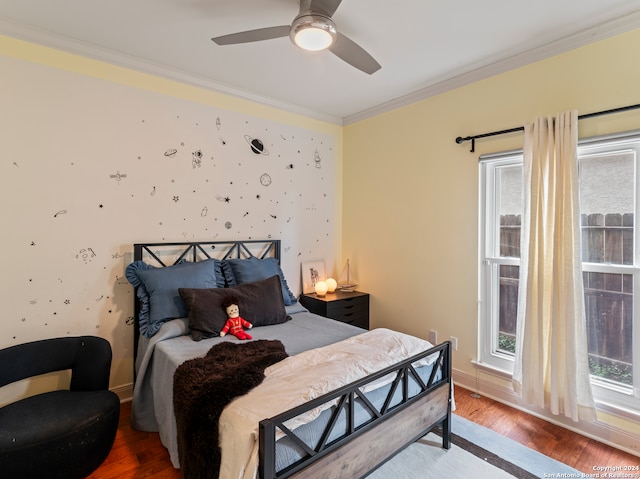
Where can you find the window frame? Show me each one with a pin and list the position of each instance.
(491, 262)
(609, 395)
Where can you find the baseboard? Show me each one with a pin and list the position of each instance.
(602, 432)
(124, 392)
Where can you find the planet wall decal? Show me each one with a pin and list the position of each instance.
(256, 145)
(265, 179)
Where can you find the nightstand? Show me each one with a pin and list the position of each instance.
(351, 308)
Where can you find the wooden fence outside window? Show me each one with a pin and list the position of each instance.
(606, 238)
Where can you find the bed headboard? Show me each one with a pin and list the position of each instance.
(161, 255)
(167, 254)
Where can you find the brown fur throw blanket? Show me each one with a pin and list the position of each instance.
(202, 387)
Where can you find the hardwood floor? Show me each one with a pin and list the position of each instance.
(573, 449)
(135, 454)
(138, 454)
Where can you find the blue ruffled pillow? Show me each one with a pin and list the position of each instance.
(241, 271)
(132, 276)
(157, 289)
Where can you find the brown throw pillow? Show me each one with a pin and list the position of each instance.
(261, 303)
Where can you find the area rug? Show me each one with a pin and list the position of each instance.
(476, 452)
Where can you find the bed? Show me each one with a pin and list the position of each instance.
(342, 401)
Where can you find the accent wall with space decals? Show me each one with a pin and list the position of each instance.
(90, 167)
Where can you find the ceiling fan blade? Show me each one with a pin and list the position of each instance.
(323, 7)
(253, 35)
(352, 53)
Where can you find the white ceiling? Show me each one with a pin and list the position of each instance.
(424, 46)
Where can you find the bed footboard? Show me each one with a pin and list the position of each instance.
(367, 446)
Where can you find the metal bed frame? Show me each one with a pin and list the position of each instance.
(365, 447)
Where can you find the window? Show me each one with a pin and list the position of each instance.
(500, 258)
(608, 169)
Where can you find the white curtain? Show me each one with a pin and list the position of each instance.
(551, 367)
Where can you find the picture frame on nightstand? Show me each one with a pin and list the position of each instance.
(312, 272)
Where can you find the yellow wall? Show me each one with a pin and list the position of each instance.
(416, 250)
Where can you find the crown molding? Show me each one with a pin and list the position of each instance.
(59, 42)
(590, 35)
(459, 79)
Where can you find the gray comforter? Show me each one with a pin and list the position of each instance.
(158, 358)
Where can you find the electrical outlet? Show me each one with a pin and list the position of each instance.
(433, 337)
(454, 342)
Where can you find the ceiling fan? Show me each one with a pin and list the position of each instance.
(312, 29)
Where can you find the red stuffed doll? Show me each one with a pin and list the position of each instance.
(235, 323)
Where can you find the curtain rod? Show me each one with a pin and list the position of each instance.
(473, 138)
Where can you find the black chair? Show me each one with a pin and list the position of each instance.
(58, 434)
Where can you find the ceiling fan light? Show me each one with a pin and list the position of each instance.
(313, 39)
(313, 32)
